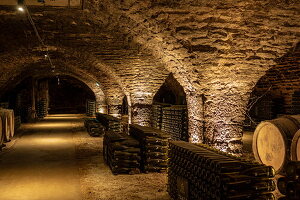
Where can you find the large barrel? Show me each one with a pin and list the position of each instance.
(5, 125)
(272, 140)
(295, 147)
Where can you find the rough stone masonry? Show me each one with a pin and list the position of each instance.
(217, 50)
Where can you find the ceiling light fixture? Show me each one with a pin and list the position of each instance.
(21, 9)
(21, 5)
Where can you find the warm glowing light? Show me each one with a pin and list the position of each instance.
(21, 9)
(49, 141)
(101, 110)
(65, 116)
(143, 93)
(52, 125)
(115, 115)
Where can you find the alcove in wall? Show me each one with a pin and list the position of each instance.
(169, 109)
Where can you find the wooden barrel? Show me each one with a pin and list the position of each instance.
(272, 140)
(5, 125)
(1, 134)
(295, 147)
(11, 122)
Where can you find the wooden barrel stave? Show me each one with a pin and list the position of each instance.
(7, 123)
(295, 147)
(1, 134)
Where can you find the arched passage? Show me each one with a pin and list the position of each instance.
(68, 95)
(169, 109)
(53, 94)
(277, 92)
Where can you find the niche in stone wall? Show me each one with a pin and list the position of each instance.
(169, 110)
(277, 92)
(124, 106)
(171, 92)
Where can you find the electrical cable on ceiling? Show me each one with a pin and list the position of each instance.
(47, 56)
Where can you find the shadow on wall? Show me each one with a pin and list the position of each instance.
(171, 92)
(277, 93)
(68, 95)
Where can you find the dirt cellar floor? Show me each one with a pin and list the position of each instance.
(56, 159)
(98, 183)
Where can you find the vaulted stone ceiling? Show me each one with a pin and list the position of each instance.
(216, 49)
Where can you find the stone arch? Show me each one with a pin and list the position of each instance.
(89, 80)
(276, 92)
(212, 52)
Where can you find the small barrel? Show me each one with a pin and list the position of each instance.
(1, 134)
(5, 125)
(272, 140)
(11, 122)
(295, 147)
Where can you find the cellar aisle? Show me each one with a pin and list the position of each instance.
(56, 159)
(41, 165)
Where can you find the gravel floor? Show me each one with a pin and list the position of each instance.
(98, 183)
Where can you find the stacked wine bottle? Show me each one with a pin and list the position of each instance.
(290, 184)
(121, 153)
(154, 147)
(90, 108)
(197, 172)
(109, 122)
(156, 117)
(42, 108)
(94, 128)
(174, 122)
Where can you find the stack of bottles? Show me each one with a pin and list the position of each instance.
(90, 108)
(296, 102)
(154, 147)
(17, 122)
(121, 153)
(94, 128)
(290, 184)
(200, 172)
(42, 108)
(174, 122)
(109, 122)
(156, 120)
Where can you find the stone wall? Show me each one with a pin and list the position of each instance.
(281, 81)
(217, 50)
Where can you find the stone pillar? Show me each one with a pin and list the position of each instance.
(102, 108)
(101, 105)
(32, 112)
(115, 110)
(141, 114)
(224, 117)
(195, 108)
(43, 94)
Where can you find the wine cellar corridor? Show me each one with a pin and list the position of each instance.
(58, 161)
(149, 100)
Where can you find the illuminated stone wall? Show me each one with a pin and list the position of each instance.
(217, 50)
(141, 114)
